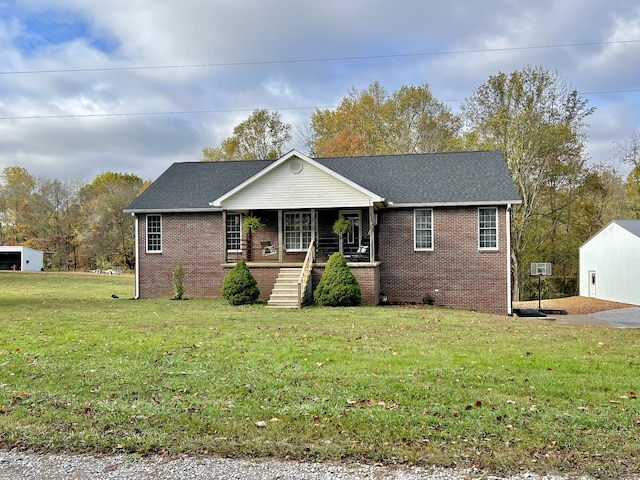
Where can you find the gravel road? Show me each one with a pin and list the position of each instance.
(16, 465)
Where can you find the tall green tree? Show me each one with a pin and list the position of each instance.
(422, 123)
(358, 126)
(628, 151)
(108, 234)
(573, 207)
(538, 122)
(372, 122)
(262, 136)
(18, 188)
(53, 220)
(633, 192)
(39, 213)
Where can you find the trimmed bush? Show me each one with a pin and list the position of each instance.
(338, 287)
(239, 287)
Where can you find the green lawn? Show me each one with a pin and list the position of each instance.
(82, 372)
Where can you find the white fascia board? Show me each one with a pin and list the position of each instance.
(171, 210)
(294, 153)
(451, 204)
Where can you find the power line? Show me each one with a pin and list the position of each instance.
(139, 114)
(317, 60)
(270, 62)
(233, 110)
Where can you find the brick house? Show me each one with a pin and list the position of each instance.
(420, 225)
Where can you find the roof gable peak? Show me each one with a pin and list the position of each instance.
(296, 160)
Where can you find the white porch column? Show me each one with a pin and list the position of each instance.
(224, 236)
(372, 234)
(280, 237)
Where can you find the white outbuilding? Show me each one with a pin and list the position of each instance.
(610, 263)
(20, 258)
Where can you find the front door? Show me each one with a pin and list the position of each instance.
(592, 283)
(351, 240)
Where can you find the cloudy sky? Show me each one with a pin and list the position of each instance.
(132, 86)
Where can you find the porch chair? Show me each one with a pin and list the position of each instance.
(362, 254)
(268, 249)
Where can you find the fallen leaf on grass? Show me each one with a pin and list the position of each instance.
(361, 403)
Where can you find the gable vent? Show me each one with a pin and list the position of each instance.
(295, 166)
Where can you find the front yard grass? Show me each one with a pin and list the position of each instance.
(82, 372)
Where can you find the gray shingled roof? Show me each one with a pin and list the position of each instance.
(457, 177)
(632, 226)
(432, 178)
(192, 185)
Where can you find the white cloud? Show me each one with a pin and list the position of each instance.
(253, 35)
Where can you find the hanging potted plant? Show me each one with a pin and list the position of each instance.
(341, 226)
(250, 224)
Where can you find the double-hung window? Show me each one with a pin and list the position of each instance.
(234, 232)
(423, 229)
(297, 230)
(154, 233)
(488, 228)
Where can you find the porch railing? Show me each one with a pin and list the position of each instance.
(305, 287)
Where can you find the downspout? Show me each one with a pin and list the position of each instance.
(137, 240)
(509, 286)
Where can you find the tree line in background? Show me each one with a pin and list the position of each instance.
(78, 226)
(532, 116)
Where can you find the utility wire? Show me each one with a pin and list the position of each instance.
(177, 112)
(317, 60)
(232, 110)
(274, 62)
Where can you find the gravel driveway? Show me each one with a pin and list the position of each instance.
(621, 317)
(83, 467)
(590, 311)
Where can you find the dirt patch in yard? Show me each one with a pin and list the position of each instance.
(574, 305)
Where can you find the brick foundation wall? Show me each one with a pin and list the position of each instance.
(456, 273)
(266, 278)
(368, 277)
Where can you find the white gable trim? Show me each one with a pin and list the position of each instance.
(374, 198)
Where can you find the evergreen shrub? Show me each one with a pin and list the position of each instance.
(338, 286)
(239, 287)
(178, 282)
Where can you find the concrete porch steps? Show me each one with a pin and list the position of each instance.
(285, 290)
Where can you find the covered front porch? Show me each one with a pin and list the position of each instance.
(288, 253)
(295, 202)
(285, 236)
